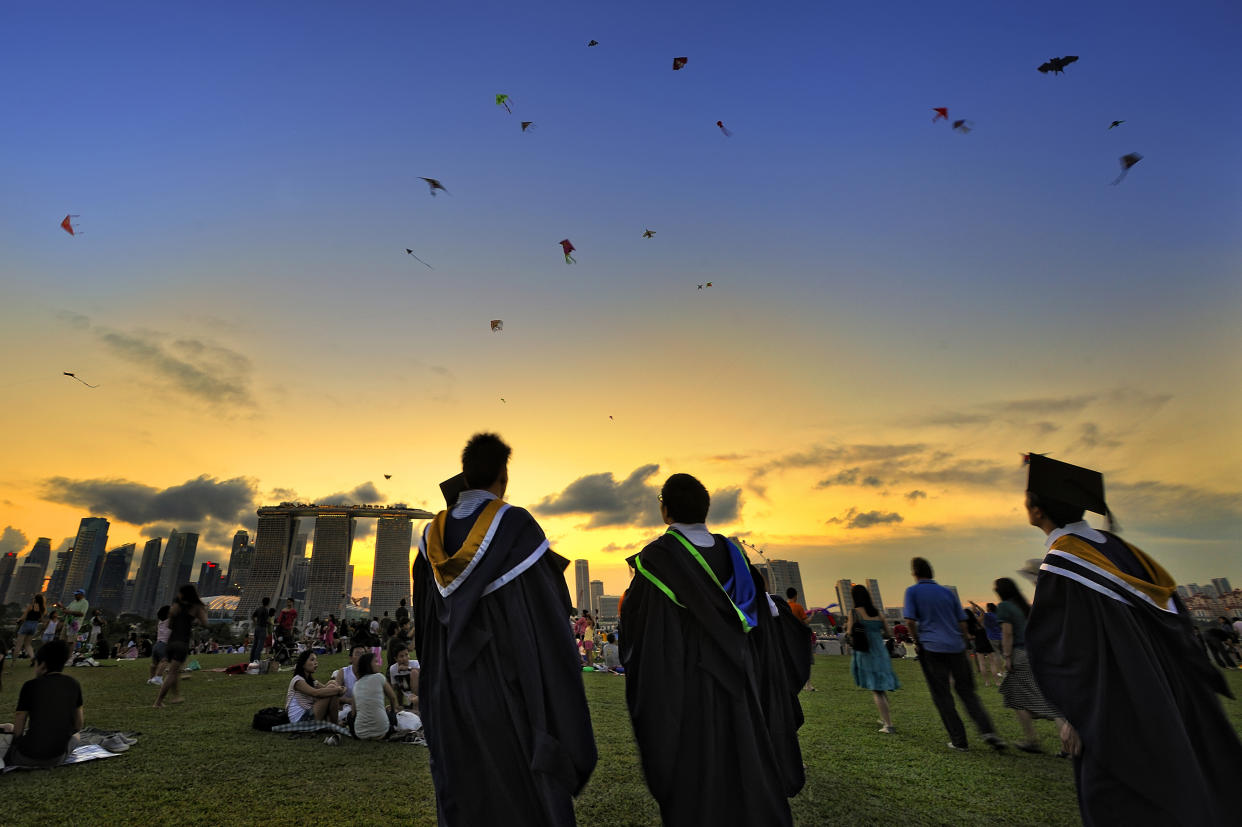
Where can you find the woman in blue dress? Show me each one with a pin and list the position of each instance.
(872, 669)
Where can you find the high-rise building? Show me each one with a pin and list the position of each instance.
(334, 540)
(298, 579)
(8, 565)
(110, 595)
(271, 559)
(88, 553)
(1222, 586)
(390, 582)
(582, 582)
(27, 582)
(208, 579)
(783, 575)
(845, 599)
(40, 554)
(56, 583)
(299, 546)
(1183, 592)
(239, 569)
(241, 541)
(597, 591)
(178, 565)
(608, 612)
(349, 582)
(142, 602)
(873, 587)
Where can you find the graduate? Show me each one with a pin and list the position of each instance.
(693, 649)
(500, 688)
(1110, 644)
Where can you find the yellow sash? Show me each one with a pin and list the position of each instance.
(448, 567)
(1161, 586)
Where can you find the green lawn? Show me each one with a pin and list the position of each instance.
(202, 763)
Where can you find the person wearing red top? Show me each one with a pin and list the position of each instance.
(799, 611)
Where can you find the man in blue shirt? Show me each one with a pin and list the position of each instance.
(938, 626)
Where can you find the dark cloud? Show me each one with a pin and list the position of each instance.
(967, 472)
(1045, 428)
(1091, 437)
(606, 501)
(282, 495)
(12, 540)
(848, 476)
(872, 482)
(865, 519)
(193, 501)
(726, 506)
(916, 494)
(1181, 511)
(364, 494)
(612, 548)
(200, 369)
(65, 545)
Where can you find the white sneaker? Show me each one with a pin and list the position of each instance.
(332, 740)
(158, 680)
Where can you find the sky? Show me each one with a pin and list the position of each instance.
(898, 310)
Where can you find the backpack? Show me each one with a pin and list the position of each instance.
(269, 717)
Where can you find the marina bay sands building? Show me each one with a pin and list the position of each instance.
(327, 583)
(390, 582)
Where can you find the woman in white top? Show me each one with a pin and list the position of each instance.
(305, 695)
(375, 703)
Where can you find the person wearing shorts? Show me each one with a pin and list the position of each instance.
(159, 652)
(186, 609)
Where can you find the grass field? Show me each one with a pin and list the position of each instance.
(201, 763)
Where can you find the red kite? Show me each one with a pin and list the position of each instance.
(527, 125)
(67, 225)
(568, 247)
(679, 63)
(942, 112)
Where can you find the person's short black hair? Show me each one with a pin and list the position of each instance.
(1061, 513)
(685, 499)
(991, 607)
(267, 600)
(162, 614)
(53, 655)
(612, 638)
(791, 592)
(366, 664)
(921, 568)
(484, 459)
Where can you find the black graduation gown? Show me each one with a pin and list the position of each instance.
(1157, 747)
(500, 686)
(783, 646)
(692, 688)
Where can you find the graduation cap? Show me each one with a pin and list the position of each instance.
(452, 487)
(1067, 483)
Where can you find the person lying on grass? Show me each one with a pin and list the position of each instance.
(49, 712)
(306, 695)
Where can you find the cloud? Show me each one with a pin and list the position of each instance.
(193, 501)
(865, 519)
(12, 540)
(1170, 510)
(210, 372)
(612, 548)
(726, 506)
(915, 495)
(608, 502)
(849, 476)
(1091, 437)
(364, 494)
(75, 320)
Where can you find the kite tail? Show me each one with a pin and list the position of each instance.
(1117, 180)
(570, 259)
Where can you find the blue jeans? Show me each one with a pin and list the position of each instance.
(257, 650)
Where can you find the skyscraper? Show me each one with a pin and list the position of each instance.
(608, 612)
(241, 541)
(40, 554)
(390, 583)
(8, 565)
(208, 578)
(845, 599)
(298, 577)
(111, 592)
(597, 591)
(56, 583)
(147, 580)
(582, 581)
(334, 540)
(782, 575)
(27, 582)
(1222, 585)
(178, 565)
(271, 557)
(88, 553)
(873, 586)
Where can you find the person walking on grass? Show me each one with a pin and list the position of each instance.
(938, 626)
(159, 652)
(29, 627)
(1018, 689)
(182, 614)
(872, 669)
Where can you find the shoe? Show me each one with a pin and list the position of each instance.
(332, 740)
(956, 748)
(1029, 746)
(888, 730)
(994, 741)
(114, 743)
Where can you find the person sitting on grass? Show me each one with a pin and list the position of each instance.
(375, 703)
(347, 676)
(403, 675)
(307, 696)
(49, 712)
(612, 656)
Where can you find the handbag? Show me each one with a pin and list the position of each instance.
(858, 637)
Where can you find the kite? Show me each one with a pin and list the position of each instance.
(435, 184)
(67, 225)
(593, 43)
(502, 399)
(419, 260)
(648, 233)
(708, 284)
(610, 417)
(1115, 123)
(388, 476)
(1057, 64)
(962, 126)
(726, 132)
(568, 247)
(1128, 160)
(75, 376)
(679, 63)
(497, 324)
(942, 112)
(527, 125)
(503, 100)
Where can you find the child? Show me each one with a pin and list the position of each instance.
(403, 675)
(49, 628)
(612, 656)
